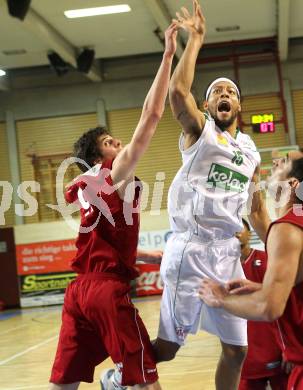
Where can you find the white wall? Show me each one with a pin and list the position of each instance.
(125, 93)
(56, 231)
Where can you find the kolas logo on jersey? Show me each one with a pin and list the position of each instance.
(222, 177)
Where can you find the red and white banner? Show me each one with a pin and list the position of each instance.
(149, 281)
(45, 257)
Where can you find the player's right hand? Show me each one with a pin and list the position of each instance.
(212, 293)
(242, 286)
(193, 24)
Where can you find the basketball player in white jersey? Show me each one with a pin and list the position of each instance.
(220, 166)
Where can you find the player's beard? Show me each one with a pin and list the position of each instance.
(224, 124)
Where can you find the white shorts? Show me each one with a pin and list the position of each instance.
(186, 261)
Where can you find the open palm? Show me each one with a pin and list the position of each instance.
(194, 23)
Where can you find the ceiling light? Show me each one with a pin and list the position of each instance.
(14, 52)
(227, 28)
(84, 12)
(2, 73)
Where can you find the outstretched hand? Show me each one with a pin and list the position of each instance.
(242, 286)
(150, 256)
(193, 24)
(212, 293)
(171, 39)
(154, 257)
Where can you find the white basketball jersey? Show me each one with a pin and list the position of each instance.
(210, 189)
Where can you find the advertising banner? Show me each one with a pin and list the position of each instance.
(149, 281)
(44, 289)
(45, 257)
(44, 270)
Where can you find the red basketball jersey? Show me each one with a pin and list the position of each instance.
(291, 322)
(264, 354)
(109, 228)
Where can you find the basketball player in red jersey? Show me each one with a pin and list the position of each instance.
(264, 355)
(280, 296)
(98, 318)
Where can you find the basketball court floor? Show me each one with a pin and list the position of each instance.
(28, 340)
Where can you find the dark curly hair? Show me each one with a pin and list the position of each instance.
(86, 148)
(297, 172)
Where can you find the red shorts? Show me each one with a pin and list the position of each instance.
(98, 321)
(277, 382)
(295, 381)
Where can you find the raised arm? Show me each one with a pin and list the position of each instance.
(257, 212)
(182, 101)
(153, 108)
(283, 272)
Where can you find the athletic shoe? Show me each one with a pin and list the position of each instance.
(108, 381)
(105, 378)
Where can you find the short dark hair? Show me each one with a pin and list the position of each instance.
(297, 172)
(86, 148)
(240, 92)
(246, 224)
(297, 169)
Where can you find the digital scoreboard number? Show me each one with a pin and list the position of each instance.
(263, 123)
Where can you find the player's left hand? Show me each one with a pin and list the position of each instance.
(212, 293)
(171, 39)
(153, 257)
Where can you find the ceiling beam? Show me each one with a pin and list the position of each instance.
(283, 28)
(163, 19)
(55, 41)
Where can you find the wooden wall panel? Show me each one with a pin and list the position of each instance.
(51, 137)
(5, 173)
(298, 111)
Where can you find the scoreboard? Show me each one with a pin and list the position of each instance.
(263, 123)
